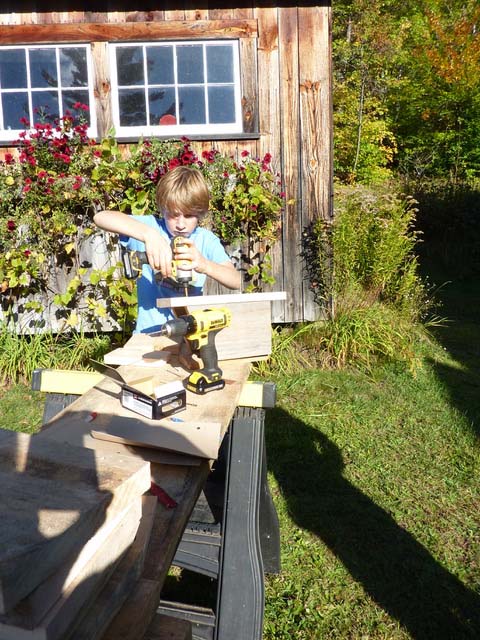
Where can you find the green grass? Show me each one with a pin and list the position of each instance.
(375, 480)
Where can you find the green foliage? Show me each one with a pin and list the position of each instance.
(379, 299)
(20, 355)
(406, 89)
(373, 246)
(449, 216)
(59, 177)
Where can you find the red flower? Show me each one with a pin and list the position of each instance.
(8, 158)
(174, 162)
(26, 253)
(245, 153)
(11, 225)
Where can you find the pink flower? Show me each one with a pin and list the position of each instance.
(8, 158)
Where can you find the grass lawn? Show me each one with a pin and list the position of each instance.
(375, 479)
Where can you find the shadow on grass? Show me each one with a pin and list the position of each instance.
(394, 569)
(460, 305)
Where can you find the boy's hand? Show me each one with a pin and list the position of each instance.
(188, 251)
(158, 252)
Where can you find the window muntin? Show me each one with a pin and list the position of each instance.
(176, 88)
(43, 79)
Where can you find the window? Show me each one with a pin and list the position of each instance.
(176, 88)
(39, 80)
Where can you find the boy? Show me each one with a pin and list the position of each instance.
(182, 199)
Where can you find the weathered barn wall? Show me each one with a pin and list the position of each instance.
(286, 89)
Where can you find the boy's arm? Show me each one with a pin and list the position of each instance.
(225, 273)
(157, 248)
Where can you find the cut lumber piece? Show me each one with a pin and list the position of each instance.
(137, 357)
(193, 438)
(105, 605)
(258, 394)
(221, 299)
(168, 628)
(53, 499)
(64, 381)
(133, 619)
(102, 551)
(71, 599)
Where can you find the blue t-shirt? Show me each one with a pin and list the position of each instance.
(150, 318)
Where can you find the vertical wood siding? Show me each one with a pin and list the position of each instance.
(286, 98)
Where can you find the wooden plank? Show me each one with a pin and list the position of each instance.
(270, 109)
(102, 87)
(290, 127)
(97, 557)
(110, 31)
(94, 620)
(30, 621)
(249, 336)
(53, 499)
(133, 619)
(67, 381)
(316, 123)
(220, 300)
(217, 406)
(200, 439)
(168, 628)
(250, 333)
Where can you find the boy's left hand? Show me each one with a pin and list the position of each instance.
(188, 251)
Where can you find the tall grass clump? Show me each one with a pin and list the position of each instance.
(21, 354)
(365, 265)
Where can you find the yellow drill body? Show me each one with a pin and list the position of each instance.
(199, 328)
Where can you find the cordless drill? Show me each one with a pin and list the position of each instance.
(199, 328)
(182, 272)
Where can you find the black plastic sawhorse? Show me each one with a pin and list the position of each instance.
(237, 541)
(233, 533)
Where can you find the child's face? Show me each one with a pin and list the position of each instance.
(180, 224)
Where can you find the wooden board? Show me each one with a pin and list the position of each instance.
(249, 336)
(193, 438)
(53, 498)
(50, 610)
(104, 605)
(214, 407)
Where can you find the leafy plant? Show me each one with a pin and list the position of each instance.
(50, 188)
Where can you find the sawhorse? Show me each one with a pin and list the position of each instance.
(233, 534)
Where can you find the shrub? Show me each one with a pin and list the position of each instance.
(379, 299)
(50, 188)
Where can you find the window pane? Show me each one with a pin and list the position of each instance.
(13, 69)
(132, 108)
(44, 103)
(192, 105)
(43, 68)
(160, 65)
(72, 97)
(73, 67)
(162, 106)
(219, 64)
(15, 106)
(130, 66)
(221, 105)
(190, 64)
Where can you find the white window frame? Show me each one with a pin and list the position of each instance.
(8, 135)
(176, 130)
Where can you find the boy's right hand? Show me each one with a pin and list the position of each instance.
(158, 252)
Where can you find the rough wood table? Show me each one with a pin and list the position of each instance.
(128, 603)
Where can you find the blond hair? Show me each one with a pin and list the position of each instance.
(182, 190)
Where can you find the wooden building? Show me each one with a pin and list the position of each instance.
(281, 62)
